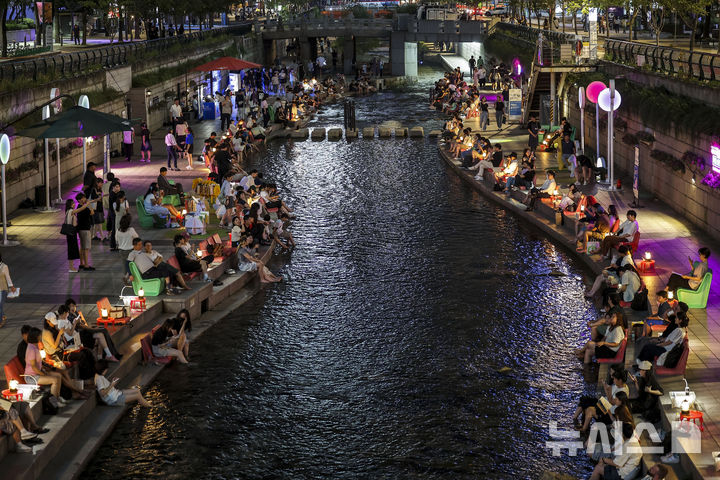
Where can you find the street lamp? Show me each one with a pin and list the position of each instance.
(581, 104)
(55, 93)
(47, 208)
(85, 103)
(4, 157)
(609, 100)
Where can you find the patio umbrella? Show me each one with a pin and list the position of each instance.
(74, 122)
(77, 122)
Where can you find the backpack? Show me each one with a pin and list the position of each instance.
(673, 356)
(640, 301)
(50, 404)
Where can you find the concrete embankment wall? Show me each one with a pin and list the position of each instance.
(698, 203)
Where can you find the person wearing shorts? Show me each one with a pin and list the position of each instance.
(84, 227)
(111, 395)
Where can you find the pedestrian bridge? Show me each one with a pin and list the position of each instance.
(403, 31)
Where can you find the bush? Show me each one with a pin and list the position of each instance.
(22, 24)
(408, 8)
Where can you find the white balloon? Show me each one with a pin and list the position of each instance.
(581, 97)
(4, 148)
(604, 100)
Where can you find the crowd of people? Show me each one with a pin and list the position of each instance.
(619, 288)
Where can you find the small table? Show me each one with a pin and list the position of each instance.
(646, 267)
(692, 416)
(12, 396)
(137, 304)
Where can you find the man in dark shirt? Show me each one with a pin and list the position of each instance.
(112, 196)
(497, 156)
(89, 178)
(567, 147)
(22, 346)
(163, 184)
(84, 226)
(566, 127)
(222, 160)
(533, 128)
(212, 141)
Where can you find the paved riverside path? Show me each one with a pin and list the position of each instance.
(671, 240)
(39, 264)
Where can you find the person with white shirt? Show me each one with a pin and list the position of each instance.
(172, 148)
(249, 180)
(661, 349)
(630, 283)
(111, 395)
(128, 142)
(175, 111)
(625, 233)
(625, 464)
(609, 345)
(656, 472)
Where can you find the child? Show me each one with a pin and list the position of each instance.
(111, 395)
(236, 232)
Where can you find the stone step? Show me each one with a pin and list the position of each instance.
(368, 132)
(384, 132)
(334, 134)
(301, 134)
(401, 132)
(351, 133)
(318, 134)
(435, 133)
(417, 132)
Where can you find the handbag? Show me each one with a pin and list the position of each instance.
(593, 246)
(68, 229)
(117, 312)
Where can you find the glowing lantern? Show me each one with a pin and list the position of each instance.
(603, 100)
(42, 354)
(685, 407)
(13, 385)
(141, 292)
(104, 313)
(671, 295)
(648, 256)
(199, 253)
(593, 90)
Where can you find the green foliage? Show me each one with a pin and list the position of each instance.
(22, 24)
(644, 136)
(357, 11)
(13, 174)
(408, 8)
(498, 46)
(163, 74)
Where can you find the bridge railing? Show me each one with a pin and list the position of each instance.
(531, 34)
(325, 23)
(700, 65)
(84, 61)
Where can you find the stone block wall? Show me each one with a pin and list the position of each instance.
(698, 203)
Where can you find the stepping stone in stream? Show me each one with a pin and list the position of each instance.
(334, 134)
(351, 133)
(435, 133)
(401, 132)
(384, 132)
(318, 134)
(417, 132)
(368, 132)
(301, 133)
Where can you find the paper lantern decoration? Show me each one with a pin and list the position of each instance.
(604, 100)
(4, 149)
(593, 90)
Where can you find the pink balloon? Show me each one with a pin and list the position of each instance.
(593, 90)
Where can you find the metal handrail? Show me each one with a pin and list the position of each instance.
(73, 64)
(700, 65)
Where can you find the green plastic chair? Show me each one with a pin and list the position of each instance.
(696, 298)
(152, 286)
(146, 220)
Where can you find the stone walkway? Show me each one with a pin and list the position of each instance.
(39, 264)
(670, 240)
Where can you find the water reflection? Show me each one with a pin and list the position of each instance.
(378, 357)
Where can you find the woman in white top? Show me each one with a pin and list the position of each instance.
(609, 345)
(111, 395)
(612, 274)
(629, 283)
(661, 349)
(125, 235)
(121, 206)
(5, 285)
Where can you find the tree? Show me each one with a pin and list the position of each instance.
(689, 11)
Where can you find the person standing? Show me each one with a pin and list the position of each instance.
(499, 112)
(472, 63)
(76, 34)
(111, 218)
(175, 111)
(84, 226)
(5, 285)
(189, 147)
(145, 145)
(225, 113)
(484, 113)
(172, 147)
(533, 128)
(128, 141)
(482, 74)
(89, 179)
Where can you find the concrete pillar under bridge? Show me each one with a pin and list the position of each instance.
(348, 56)
(403, 56)
(269, 52)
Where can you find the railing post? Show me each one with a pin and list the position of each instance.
(690, 65)
(712, 67)
(702, 70)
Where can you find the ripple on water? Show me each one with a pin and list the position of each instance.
(379, 356)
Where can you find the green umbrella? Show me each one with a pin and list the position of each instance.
(77, 122)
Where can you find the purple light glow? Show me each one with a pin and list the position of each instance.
(715, 153)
